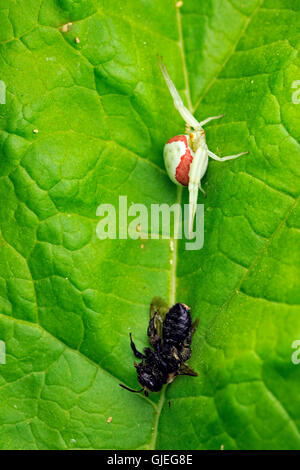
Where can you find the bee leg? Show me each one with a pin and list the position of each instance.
(137, 353)
(148, 352)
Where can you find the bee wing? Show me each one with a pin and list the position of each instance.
(158, 306)
(158, 311)
(187, 370)
(184, 112)
(195, 325)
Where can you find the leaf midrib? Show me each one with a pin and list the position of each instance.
(174, 259)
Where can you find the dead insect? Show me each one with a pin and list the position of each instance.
(170, 334)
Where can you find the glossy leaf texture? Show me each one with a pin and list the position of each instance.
(85, 121)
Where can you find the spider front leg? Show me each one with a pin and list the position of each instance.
(178, 103)
(223, 159)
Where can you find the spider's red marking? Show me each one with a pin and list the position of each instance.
(183, 169)
(182, 138)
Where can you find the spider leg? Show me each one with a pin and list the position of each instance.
(202, 190)
(178, 103)
(193, 196)
(230, 157)
(197, 170)
(202, 123)
(137, 353)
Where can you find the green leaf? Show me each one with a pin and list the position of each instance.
(68, 300)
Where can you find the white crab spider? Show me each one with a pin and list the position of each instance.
(186, 156)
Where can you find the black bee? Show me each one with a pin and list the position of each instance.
(170, 335)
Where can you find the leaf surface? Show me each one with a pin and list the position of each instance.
(68, 300)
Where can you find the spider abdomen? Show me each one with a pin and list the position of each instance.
(178, 157)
